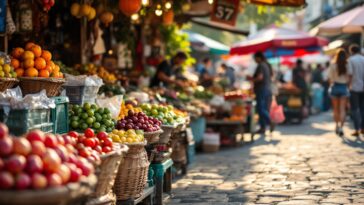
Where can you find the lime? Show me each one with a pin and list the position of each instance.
(100, 111)
(109, 129)
(102, 129)
(90, 113)
(94, 107)
(75, 118)
(84, 116)
(75, 108)
(84, 126)
(154, 112)
(96, 125)
(106, 111)
(98, 117)
(79, 111)
(89, 121)
(74, 124)
(108, 123)
(87, 106)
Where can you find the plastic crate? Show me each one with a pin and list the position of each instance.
(198, 127)
(59, 115)
(81, 94)
(22, 120)
(191, 152)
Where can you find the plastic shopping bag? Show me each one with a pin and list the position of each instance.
(276, 113)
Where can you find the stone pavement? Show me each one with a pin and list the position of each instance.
(298, 165)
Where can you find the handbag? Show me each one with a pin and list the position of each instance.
(276, 113)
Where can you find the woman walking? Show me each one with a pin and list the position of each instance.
(339, 80)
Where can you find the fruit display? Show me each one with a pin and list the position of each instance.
(91, 116)
(90, 145)
(126, 107)
(33, 61)
(138, 121)
(83, 10)
(163, 113)
(39, 161)
(111, 90)
(203, 94)
(92, 69)
(130, 136)
(6, 69)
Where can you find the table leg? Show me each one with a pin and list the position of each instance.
(159, 191)
(168, 181)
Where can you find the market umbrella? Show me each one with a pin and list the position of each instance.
(351, 21)
(278, 39)
(202, 43)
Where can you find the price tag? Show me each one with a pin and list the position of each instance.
(2, 16)
(225, 11)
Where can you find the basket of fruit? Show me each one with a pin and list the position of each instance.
(133, 173)
(6, 83)
(167, 133)
(30, 85)
(153, 137)
(43, 169)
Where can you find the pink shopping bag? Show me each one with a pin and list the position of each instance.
(276, 113)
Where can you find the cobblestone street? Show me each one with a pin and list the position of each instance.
(299, 165)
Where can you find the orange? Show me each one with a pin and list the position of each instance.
(61, 75)
(19, 72)
(28, 63)
(28, 55)
(55, 74)
(29, 45)
(37, 50)
(31, 72)
(40, 63)
(43, 73)
(46, 55)
(56, 68)
(15, 63)
(17, 52)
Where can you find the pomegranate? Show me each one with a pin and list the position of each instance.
(6, 146)
(15, 164)
(6, 180)
(39, 181)
(21, 146)
(34, 164)
(22, 181)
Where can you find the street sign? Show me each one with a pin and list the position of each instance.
(2, 16)
(225, 11)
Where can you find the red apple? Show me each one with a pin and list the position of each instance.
(54, 180)
(38, 148)
(107, 142)
(6, 180)
(39, 181)
(34, 164)
(21, 146)
(60, 140)
(6, 146)
(69, 140)
(106, 149)
(102, 135)
(73, 134)
(65, 173)
(80, 146)
(84, 152)
(35, 135)
(89, 133)
(50, 141)
(15, 164)
(51, 161)
(89, 142)
(4, 131)
(76, 172)
(22, 181)
(97, 141)
(73, 158)
(98, 148)
(62, 153)
(70, 148)
(87, 168)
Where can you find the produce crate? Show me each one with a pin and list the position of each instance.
(59, 115)
(22, 120)
(81, 94)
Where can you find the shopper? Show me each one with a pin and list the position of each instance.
(339, 79)
(356, 70)
(229, 73)
(262, 88)
(299, 80)
(167, 70)
(206, 77)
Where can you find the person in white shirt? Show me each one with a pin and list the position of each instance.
(356, 70)
(339, 79)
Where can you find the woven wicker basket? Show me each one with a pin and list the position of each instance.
(167, 132)
(107, 170)
(6, 83)
(108, 199)
(30, 85)
(133, 173)
(152, 137)
(71, 194)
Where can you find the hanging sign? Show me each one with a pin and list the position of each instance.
(2, 16)
(292, 3)
(225, 11)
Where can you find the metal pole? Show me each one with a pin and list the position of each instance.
(362, 39)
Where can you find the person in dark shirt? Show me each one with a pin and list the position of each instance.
(206, 78)
(317, 76)
(167, 69)
(262, 88)
(299, 80)
(229, 74)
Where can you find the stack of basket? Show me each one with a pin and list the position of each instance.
(31, 85)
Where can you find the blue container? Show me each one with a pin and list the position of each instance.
(198, 127)
(191, 152)
(317, 98)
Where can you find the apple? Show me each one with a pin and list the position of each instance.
(51, 161)
(76, 172)
(85, 167)
(6, 180)
(84, 152)
(6, 146)
(22, 181)
(39, 181)
(35, 135)
(38, 148)
(4, 131)
(73, 134)
(50, 140)
(62, 153)
(106, 149)
(72, 158)
(34, 164)
(89, 142)
(60, 140)
(15, 164)
(54, 180)
(89, 133)
(65, 173)
(98, 148)
(21, 146)
(102, 135)
(69, 140)
(70, 148)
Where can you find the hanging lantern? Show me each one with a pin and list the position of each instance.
(168, 17)
(106, 18)
(130, 7)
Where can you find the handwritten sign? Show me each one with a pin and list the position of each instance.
(225, 11)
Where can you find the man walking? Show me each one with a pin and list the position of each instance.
(356, 71)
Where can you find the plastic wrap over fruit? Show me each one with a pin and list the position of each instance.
(12, 99)
(113, 104)
(72, 80)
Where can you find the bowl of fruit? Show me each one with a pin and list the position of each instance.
(7, 74)
(42, 168)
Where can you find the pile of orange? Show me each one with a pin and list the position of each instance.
(33, 61)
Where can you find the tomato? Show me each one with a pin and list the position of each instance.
(98, 148)
(97, 141)
(106, 149)
(89, 133)
(107, 142)
(84, 152)
(73, 134)
(89, 142)
(102, 135)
